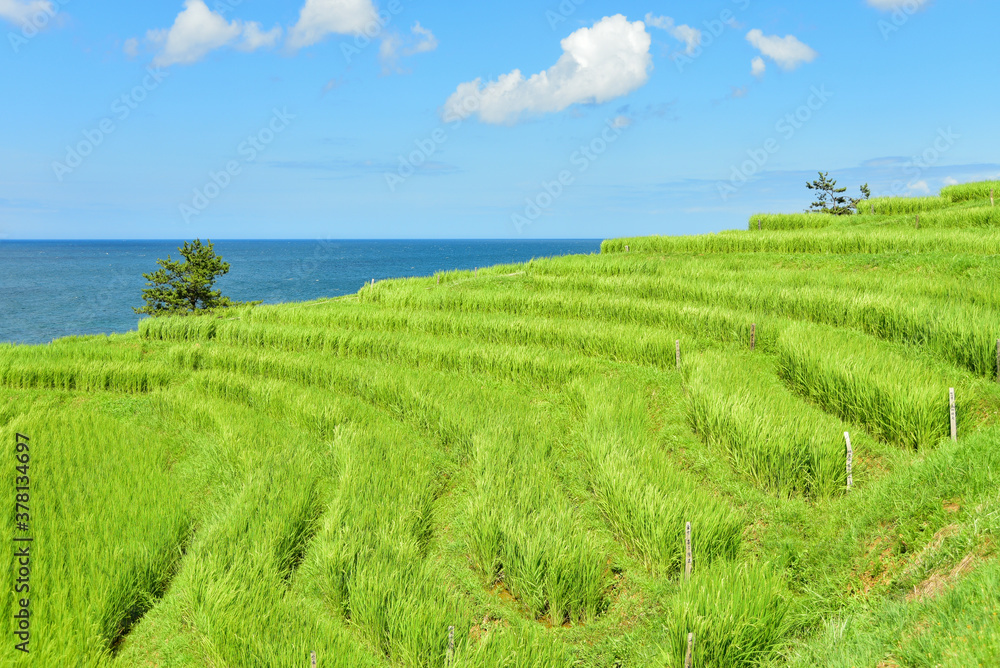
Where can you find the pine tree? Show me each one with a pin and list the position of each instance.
(186, 286)
(831, 199)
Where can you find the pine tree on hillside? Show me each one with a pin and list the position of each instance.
(186, 286)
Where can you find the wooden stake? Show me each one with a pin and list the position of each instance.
(954, 415)
(451, 644)
(373, 282)
(758, 224)
(678, 353)
(918, 221)
(850, 461)
(689, 560)
(753, 336)
(312, 656)
(439, 279)
(626, 249)
(998, 360)
(689, 658)
(873, 208)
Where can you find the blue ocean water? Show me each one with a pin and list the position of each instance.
(51, 289)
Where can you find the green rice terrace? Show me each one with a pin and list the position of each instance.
(497, 468)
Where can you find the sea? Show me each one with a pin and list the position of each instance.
(53, 289)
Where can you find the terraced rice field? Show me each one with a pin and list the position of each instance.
(497, 468)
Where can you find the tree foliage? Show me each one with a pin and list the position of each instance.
(831, 199)
(186, 286)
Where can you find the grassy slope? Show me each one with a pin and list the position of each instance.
(514, 454)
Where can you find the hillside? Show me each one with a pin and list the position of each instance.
(515, 453)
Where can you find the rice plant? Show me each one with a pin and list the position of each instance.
(894, 206)
(964, 192)
(647, 505)
(496, 468)
(795, 221)
(780, 443)
(897, 399)
(844, 242)
(739, 615)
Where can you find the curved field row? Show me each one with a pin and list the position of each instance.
(847, 241)
(93, 376)
(739, 406)
(512, 456)
(441, 413)
(897, 399)
(960, 333)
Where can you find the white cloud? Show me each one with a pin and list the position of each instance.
(919, 187)
(908, 5)
(758, 67)
(388, 52)
(608, 60)
(621, 122)
(131, 47)
(254, 38)
(22, 12)
(320, 18)
(197, 31)
(426, 41)
(788, 52)
(682, 33)
(950, 181)
(393, 46)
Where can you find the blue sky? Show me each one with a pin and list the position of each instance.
(586, 119)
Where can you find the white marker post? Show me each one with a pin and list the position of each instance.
(312, 656)
(678, 344)
(689, 658)
(451, 644)
(689, 561)
(850, 461)
(954, 415)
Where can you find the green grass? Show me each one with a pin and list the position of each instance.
(965, 192)
(852, 241)
(739, 615)
(893, 206)
(896, 397)
(514, 454)
(738, 405)
(795, 221)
